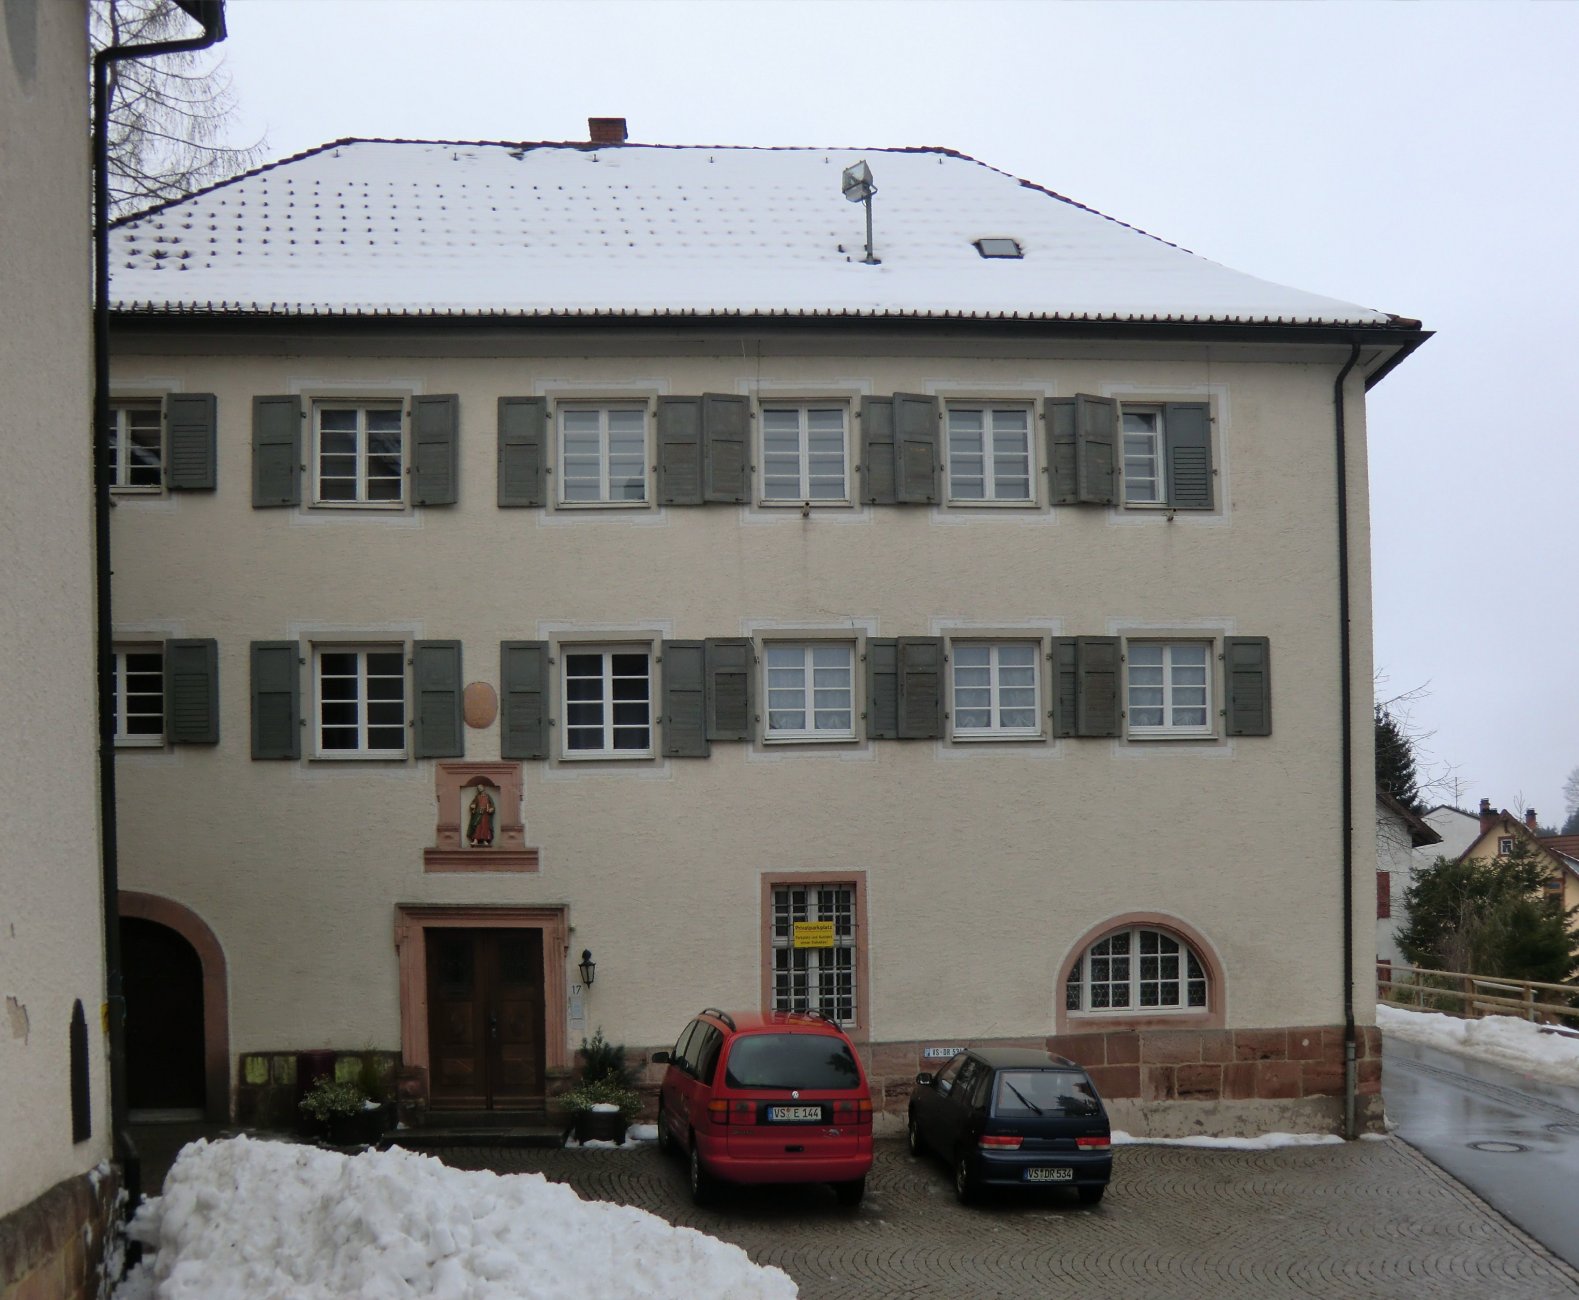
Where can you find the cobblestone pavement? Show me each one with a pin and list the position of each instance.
(1368, 1219)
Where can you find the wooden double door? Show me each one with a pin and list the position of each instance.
(485, 1019)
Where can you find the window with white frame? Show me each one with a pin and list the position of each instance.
(804, 452)
(608, 701)
(810, 690)
(136, 434)
(359, 453)
(603, 454)
(1169, 688)
(137, 684)
(813, 969)
(1137, 969)
(1143, 457)
(361, 702)
(989, 453)
(995, 688)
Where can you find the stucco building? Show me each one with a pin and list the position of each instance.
(594, 548)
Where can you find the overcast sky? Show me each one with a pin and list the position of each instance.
(1418, 158)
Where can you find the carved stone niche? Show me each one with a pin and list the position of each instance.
(456, 785)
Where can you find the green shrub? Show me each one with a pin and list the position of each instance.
(602, 1059)
(331, 1099)
(606, 1092)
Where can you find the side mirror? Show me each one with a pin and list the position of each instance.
(659, 1058)
(924, 1079)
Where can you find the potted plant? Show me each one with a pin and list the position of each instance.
(601, 1110)
(341, 1110)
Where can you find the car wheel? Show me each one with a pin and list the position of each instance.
(701, 1181)
(1090, 1195)
(913, 1136)
(964, 1183)
(665, 1138)
(850, 1193)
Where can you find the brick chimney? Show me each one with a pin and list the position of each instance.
(1529, 819)
(606, 130)
(1487, 817)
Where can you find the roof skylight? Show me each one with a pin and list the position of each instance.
(999, 246)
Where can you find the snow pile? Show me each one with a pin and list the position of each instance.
(248, 1220)
(1514, 1043)
(1266, 1142)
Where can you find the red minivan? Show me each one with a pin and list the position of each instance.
(766, 1097)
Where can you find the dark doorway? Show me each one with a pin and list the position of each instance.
(163, 979)
(485, 1019)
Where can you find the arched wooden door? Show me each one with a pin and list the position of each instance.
(163, 981)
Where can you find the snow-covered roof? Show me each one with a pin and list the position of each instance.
(402, 227)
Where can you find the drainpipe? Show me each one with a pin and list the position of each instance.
(211, 13)
(1350, 1080)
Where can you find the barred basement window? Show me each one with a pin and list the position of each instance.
(819, 978)
(1137, 970)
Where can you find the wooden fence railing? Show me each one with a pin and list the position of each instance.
(1476, 995)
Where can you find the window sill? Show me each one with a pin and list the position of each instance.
(1141, 1018)
(602, 505)
(159, 491)
(810, 739)
(804, 503)
(384, 507)
(997, 737)
(608, 756)
(360, 756)
(142, 742)
(1149, 736)
(968, 503)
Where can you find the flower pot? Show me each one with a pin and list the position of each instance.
(600, 1126)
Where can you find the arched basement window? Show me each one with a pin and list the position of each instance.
(81, 1097)
(1137, 969)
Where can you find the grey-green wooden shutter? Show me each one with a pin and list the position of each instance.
(726, 440)
(276, 451)
(915, 448)
(1066, 694)
(191, 692)
(680, 451)
(882, 688)
(523, 450)
(685, 699)
(276, 700)
(523, 691)
(436, 678)
(1099, 664)
(920, 695)
(1187, 428)
(1247, 678)
(877, 451)
(731, 665)
(191, 421)
(1082, 449)
(435, 433)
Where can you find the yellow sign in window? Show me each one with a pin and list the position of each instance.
(814, 934)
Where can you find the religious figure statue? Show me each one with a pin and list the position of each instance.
(479, 824)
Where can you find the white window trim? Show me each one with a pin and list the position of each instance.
(802, 405)
(1032, 461)
(315, 721)
(810, 736)
(1209, 731)
(320, 402)
(121, 469)
(1135, 1008)
(557, 451)
(124, 740)
(992, 734)
(561, 650)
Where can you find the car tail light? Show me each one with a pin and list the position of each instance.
(853, 1112)
(1094, 1144)
(721, 1111)
(1000, 1141)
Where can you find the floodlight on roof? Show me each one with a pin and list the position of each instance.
(858, 188)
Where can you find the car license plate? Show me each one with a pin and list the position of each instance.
(790, 1114)
(1053, 1174)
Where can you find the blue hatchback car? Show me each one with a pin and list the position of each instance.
(1014, 1117)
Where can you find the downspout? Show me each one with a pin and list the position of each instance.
(211, 13)
(1346, 690)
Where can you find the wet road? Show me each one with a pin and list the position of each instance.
(1513, 1139)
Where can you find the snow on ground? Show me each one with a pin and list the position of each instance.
(1263, 1143)
(243, 1219)
(1517, 1044)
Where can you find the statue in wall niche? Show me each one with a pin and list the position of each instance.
(479, 819)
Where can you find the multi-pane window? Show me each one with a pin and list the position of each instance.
(360, 453)
(810, 689)
(362, 700)
(137, 684)
(1143, 456)
(608, 702)
(1137, 969)
(1169, 688)
(989, 453)
(136, 445)
(803, 453)
(995, 689)
(603, 454)
(813, 950)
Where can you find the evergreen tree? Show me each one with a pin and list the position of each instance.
(1395, 761)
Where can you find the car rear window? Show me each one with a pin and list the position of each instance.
(1050, 1092)
(807, 1061)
